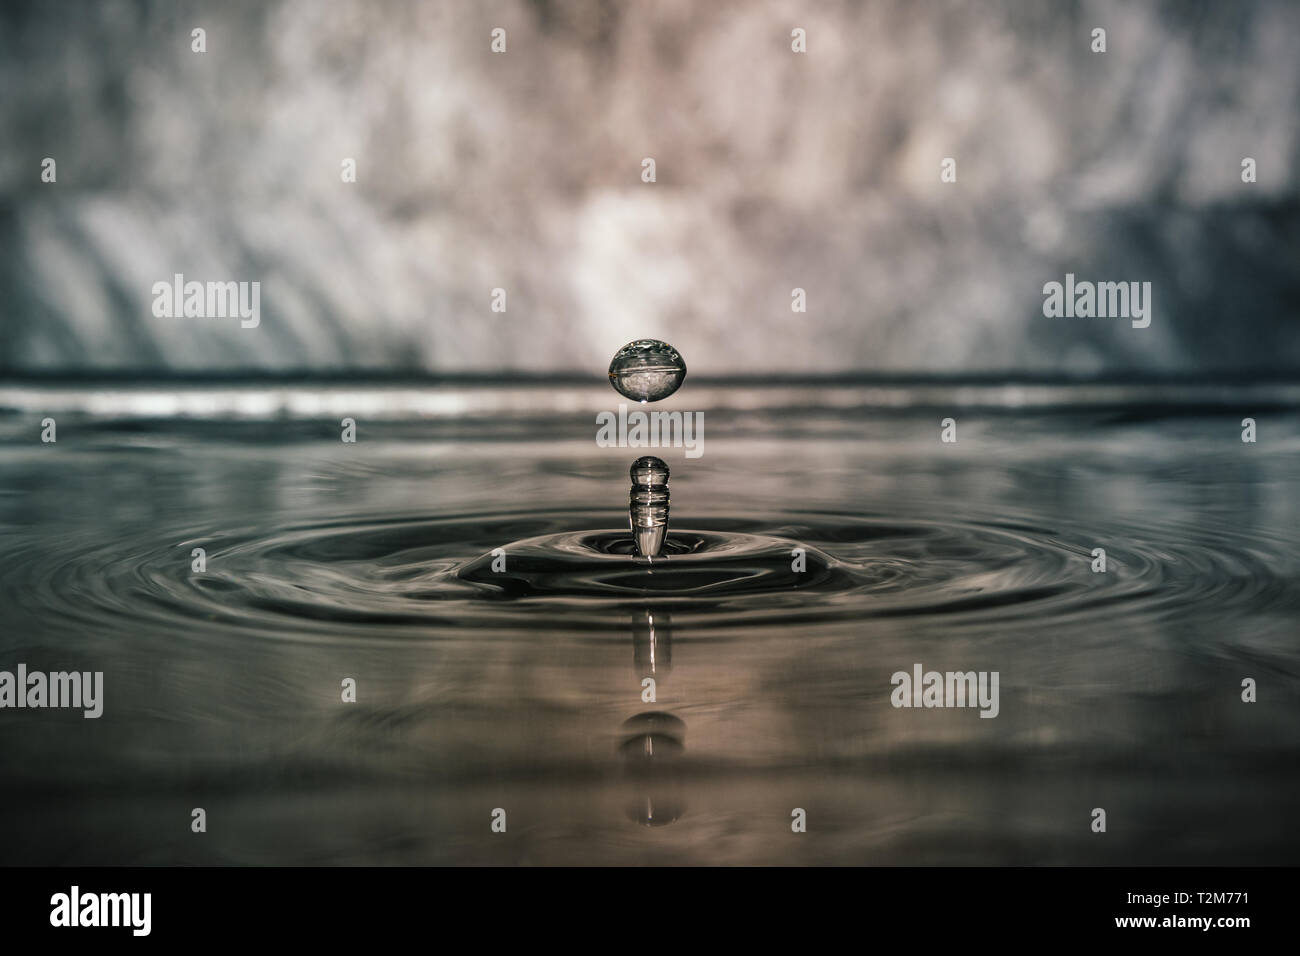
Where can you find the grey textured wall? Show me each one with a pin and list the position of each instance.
(775, 170)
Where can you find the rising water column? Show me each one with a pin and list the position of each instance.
(647, 510)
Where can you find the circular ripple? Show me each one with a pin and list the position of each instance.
(398, 578)
(697, 564)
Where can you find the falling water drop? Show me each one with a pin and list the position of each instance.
(647, 370)
(648, 505)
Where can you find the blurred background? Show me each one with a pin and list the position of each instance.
(522, 171)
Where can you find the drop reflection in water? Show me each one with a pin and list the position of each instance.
(647, 370)
(652, 643)
(651, 744)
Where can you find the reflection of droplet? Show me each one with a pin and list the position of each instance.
(654, 722)
(652, 745)
(652, 642)
(647, 370)
(647, 511)
(653, 738)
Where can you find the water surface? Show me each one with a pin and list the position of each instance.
(523, 690)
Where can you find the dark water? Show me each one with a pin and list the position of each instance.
(522, 690)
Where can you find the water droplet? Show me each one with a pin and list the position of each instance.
(647, 370)
(647, 512)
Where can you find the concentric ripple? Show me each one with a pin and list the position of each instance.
(398, 577)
